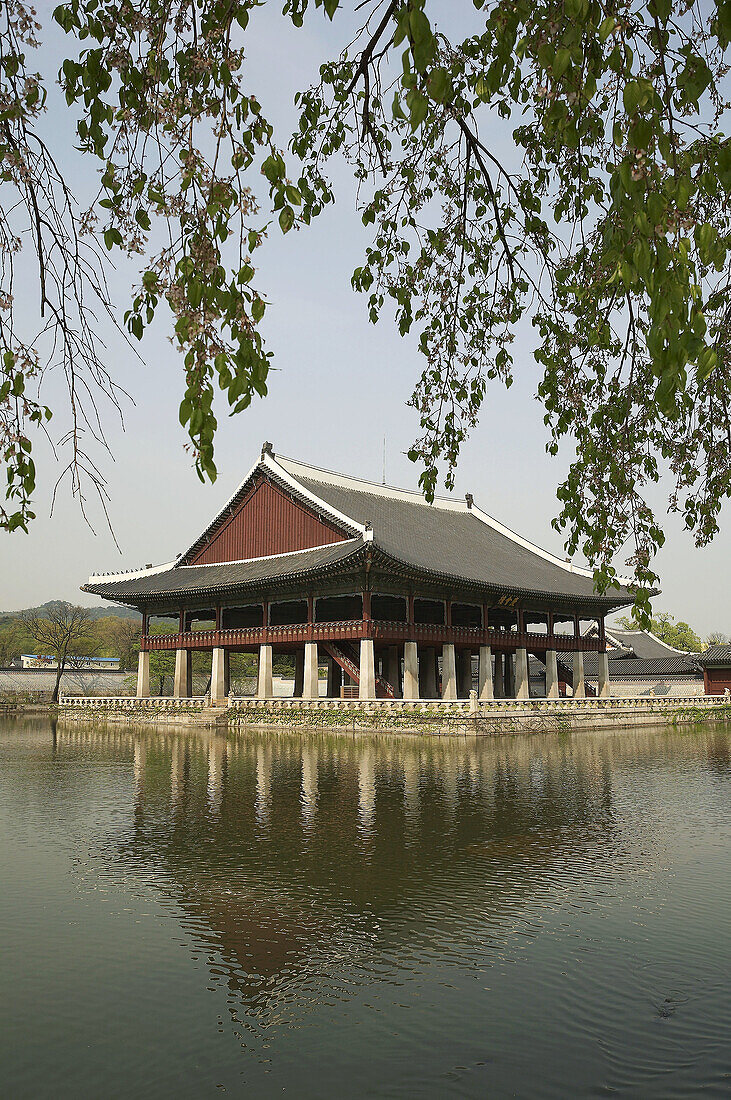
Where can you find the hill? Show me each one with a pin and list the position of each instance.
(102, 612)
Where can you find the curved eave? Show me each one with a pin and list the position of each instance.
(342, 564)
(413, 571)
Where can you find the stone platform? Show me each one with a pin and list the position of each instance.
(438, 716)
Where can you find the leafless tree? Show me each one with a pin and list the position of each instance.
(62, 632)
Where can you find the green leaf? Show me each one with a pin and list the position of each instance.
(440, 85)
(632, 96)
(419, 108)
(561, 62)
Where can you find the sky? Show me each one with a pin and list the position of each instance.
(338, 389)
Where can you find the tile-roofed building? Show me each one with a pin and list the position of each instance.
(716, 665)
(640, 663)
(394, 594)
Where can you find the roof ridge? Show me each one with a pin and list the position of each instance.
(379, 488)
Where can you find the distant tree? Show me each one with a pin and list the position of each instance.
(65, 632)
(716, 637)
(663, 625)
(14, 640)
(124, 637)
(162, 668)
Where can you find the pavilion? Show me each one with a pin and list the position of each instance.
(399, 598)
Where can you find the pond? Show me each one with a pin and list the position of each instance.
(185, 913)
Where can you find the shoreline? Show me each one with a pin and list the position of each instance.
(437, 718)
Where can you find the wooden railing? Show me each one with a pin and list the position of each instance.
(383, 631)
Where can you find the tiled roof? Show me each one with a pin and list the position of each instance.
(452, 540)
(643, 643)
(202, 579)
(715, 655)
(449, 538)
(645, 668)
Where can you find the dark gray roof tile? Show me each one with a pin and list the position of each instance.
(194, 579)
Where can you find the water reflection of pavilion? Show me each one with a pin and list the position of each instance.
(281, 847)
(297, 860)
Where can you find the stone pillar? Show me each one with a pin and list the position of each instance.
(143, 674)
(393, 670)
(299, 673)
(486, 688)
(311, 684)
(411, 670)
(218, 676)
(265, 685)
(449, 672)
(522, 681)
(428, 673)
(551, 674)
(509, 677)
(579, 685)
(603, 677)
(498, 682)
(183, 678)
(367, 688)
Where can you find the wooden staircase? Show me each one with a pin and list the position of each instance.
(347, 656)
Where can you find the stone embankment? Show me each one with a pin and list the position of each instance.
(468, 716)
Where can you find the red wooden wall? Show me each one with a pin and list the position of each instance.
(266, 521)
(717, 680)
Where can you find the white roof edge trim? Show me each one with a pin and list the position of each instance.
(223, 509)
(649, 634)
(489, 521)
(129, 574)
(271, 462)
(270, 557)
(347, 481)
(275, 465)
(577, 570)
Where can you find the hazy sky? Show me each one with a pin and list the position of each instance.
(340, 386)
